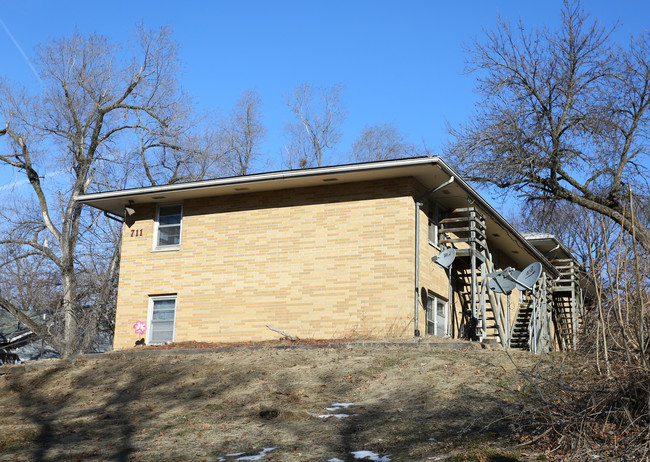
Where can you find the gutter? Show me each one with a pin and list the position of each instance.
(19, 339)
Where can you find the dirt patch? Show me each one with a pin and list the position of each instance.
(285, 342)
(209, 345)
(397, 401)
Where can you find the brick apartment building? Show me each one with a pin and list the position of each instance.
(329, 252)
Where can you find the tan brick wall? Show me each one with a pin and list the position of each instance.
(321, 262)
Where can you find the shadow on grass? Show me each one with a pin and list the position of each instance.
(84, 413)
(409, 422)
(188, 407)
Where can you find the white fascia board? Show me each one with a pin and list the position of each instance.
(21, 336)
(261, 177)
(533, 237)
(114, 201)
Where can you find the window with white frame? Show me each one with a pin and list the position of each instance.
(433, 223)
(436, 315)
(168, 226)
(162, 318)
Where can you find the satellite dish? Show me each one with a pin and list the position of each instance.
(501, 283)
(446, 257)
(504, 282)
(529, 276)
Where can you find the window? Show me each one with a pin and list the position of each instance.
(433, 223)
(436, 316)
(162, 318)
(168, 227)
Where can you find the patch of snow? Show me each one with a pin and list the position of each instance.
(336, 406)
(370, 456)
(432, 439)
(235, 454)
(257, 456)
(334, 459)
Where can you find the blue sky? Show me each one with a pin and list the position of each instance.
(400, 62)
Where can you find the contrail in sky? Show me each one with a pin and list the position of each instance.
(17, 183)
(29, 63)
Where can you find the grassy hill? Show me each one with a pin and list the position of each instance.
(397, 401)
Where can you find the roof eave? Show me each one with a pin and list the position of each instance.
(498, 217)
(257, 178)
(95, 199)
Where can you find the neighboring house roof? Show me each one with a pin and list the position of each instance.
(12, 331)
(429, 171)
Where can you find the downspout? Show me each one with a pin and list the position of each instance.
(418, 206)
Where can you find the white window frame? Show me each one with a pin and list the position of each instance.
(152, 300)
(433, 216)
(432, 306)
(156, 234)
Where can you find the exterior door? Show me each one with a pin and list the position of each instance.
(436, 316)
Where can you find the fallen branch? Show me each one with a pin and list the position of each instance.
(534, 440)
(290, 337)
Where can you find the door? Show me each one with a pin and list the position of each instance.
(436, 316)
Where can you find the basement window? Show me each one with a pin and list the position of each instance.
(168, 227)
(162, 317)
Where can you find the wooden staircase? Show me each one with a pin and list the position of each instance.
(464, 229)
(558, 302)
(520, 334)
(567, 304)
(522, 329)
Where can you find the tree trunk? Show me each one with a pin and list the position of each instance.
(70, 332)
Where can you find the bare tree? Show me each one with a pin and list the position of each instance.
(320, 115)
(242, 133)
(579, 229)
(104, 108)
(563, 117)
(381, 142)
(187, 157)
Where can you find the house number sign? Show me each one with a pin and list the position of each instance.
(136, 233)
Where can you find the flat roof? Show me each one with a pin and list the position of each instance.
(422, 168)
(549, 245)
(429, 171)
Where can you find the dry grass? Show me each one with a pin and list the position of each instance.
(412, 402)
(583, 414)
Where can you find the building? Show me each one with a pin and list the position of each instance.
(342, 251)
(19, 344)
